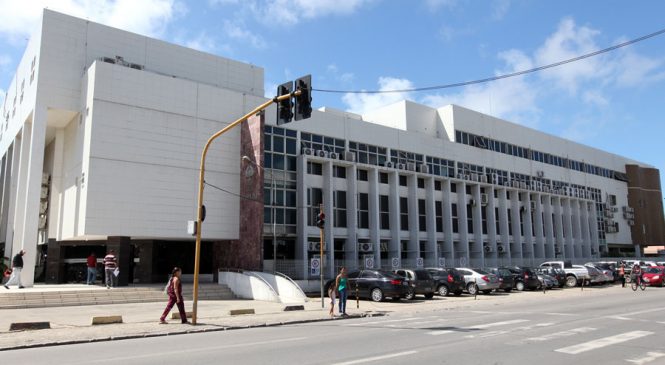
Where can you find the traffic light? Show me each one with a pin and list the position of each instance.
(303, 104)
(321, 220)
(284, 107)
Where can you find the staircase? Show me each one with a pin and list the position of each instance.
(17, 298)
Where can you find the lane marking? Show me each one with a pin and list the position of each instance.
(603, 342)
(495, 324)
(377, 358)
(382, 322)
(437, 333)
(561, 314)
(562, 334)
(646, 311)
(620, 318)
(487, 334)
(650, 356)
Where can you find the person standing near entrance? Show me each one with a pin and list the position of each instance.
(341, 283)
(92, 269)
(622, 275)
(110, 264)
(174, 291)
(17, 266)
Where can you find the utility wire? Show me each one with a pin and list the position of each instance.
(495, 78)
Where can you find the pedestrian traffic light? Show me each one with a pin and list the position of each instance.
(303, 104)
(284, 107)
(321, 220)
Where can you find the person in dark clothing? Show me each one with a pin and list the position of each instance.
(17, 266)
(174, 291)
(92, 268)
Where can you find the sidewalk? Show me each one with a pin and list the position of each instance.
(73, 324)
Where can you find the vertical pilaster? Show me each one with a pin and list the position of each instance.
(448, 245)
(351, 247)
(431, 258)
(374, 216)
(503, 249)
(329, 237)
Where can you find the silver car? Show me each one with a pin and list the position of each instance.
(477, 279)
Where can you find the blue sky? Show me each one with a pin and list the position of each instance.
(613, 102)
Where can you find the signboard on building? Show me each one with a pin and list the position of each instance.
(442, 262)
(315, 266)
(395, 263)
(420, 263)
(369, 262)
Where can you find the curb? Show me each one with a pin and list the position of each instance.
(176, 333)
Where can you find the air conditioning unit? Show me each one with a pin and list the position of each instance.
(472, 202)
(484, 199)
(411, 166)
(533, 206)
(540, 173)
(388, 164)
(495, 178)
(467, 177)
(523, 185)
(507, 183)
(322, 153)
(43, 206)
(401, 166)
(460, 176)
(349, 156)
(365, 247)
(307, 151)
(423, 168)
(474, 177)
(44, 192)
(42, 221)
(333, 155)
(488, 249)
(546, 189)
(501, 248)
(483, 179)
(516, 184)
(314, 246)
(615, 209)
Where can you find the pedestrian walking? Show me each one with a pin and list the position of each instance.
(622, 275)
(341, 283)
(174, 291)
(332, 293)
(17, 266)
(110, 265)
(92, 269)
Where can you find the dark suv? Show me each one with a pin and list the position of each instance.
(420, 283)
(375, 285)
(525, 278)
(448, 281)
(506, 279)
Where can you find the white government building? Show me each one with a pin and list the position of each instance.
(101, 135)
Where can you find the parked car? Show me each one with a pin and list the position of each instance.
(596, 277)
(608, 268)
(375, 285)
(506, 280)
(654, 275)
(448, 281)
(420, 282)
(556, 273)
(546, 281)
(525, 278)
(477, 279)
(574, 275)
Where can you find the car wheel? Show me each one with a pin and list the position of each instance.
(458, 293)
(519, 286)
(472, 289)
(377, 295)
(571, 281)
(429, 295)
(410, 295)
(508, 290)
(443, 291)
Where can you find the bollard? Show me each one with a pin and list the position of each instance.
(582, 287)
(357, 296)
(475, 283)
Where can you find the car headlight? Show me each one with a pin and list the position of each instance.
(656, 277)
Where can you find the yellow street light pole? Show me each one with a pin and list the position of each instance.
(199, 214)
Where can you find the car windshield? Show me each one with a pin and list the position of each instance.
(422, 275)
(481, 272)
(389, 275)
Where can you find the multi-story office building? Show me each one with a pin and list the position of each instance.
(101, 137)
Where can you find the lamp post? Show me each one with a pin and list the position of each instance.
(272, 210)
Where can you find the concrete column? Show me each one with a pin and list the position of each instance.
(414, 237)
(19, 208)
(144, 268)
(558, 226)
(462, 249)
(568, 228)
(374, 217)
(55, 268)
(490, 258)
(593, 227)
(584, 224)
(449, 252)
(549, 228)
(516, 247)
(34, 166)
(538, 227)
(431, 258)
(477, 220)
(329, 237)
(503, 257)
(302, 266)
(528, 254)
(123, 254)
(8, 190)
(351, 247)
(393, 202)
(56, 206)
(577, 230)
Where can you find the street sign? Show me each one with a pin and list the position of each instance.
(442, 262)
(462, 261)
(395, 263)
(420, 262)
(315, 265)
(369, 262)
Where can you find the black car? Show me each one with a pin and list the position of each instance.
(375, 285)
(525, 278)
(506, 279)
(448, 281)
(420, 283)
(557, 273)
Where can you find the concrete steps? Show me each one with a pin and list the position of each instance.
(15, 298)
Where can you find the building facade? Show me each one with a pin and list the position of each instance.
(102, 132)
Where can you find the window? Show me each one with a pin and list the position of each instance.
(421, 183)
(314, 168)
(363, 210)
(369, 154)
(402, 180)
(453, 208)
(437, 185)
(339, 171)
(483, 211)
(314, 198)
(383, 177)
(339, 208)
(384, 211)
(404, 213)
(362, 175)
(422, 218)
(438, 209)
(469, 218)
(453, 187)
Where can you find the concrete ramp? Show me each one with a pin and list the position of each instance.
(287, 290)
(262, 286)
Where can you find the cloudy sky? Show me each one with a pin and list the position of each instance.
(613, 102)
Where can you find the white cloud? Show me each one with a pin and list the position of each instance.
(343, 77)
(500, 8)
(635, 70)
(434, 5)
(362, 103)
(18, 19)
(595, 97)
(237, 31)
(291, 12)
(202, 42)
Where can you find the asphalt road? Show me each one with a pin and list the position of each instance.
(602, 326)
